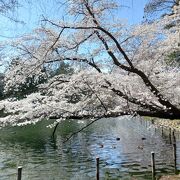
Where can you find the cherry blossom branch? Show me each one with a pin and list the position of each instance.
(130, 99)
(103, 105)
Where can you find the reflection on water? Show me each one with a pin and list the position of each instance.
(44, 158)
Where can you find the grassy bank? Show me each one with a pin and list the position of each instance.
(173, 177)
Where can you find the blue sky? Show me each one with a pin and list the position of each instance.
(31, 12)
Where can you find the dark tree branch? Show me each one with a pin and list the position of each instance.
(56, 40)
(55, 129)
(76, 59)
(131, 99)
(147, 82)
(76, 132)
(81, 42)
(158, 114)
(117, 63)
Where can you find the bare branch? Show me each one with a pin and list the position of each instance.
(76, 132)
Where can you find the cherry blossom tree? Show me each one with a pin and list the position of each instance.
(7, 6)
(160, 7)
(119, 70)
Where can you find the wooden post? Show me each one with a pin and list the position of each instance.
(170, 140)
(174, 151)
(19, 173)
(97, 168)
(174, 137)
(152, 121)
(174, 157)
(153, 165)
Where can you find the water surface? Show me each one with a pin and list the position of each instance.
(45, 158)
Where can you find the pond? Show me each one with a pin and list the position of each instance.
(45, 158)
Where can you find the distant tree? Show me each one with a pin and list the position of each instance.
(170, 8)
(30, 84)
(62, 68)
(173, 59)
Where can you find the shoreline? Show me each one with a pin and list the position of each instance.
(165, 123)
